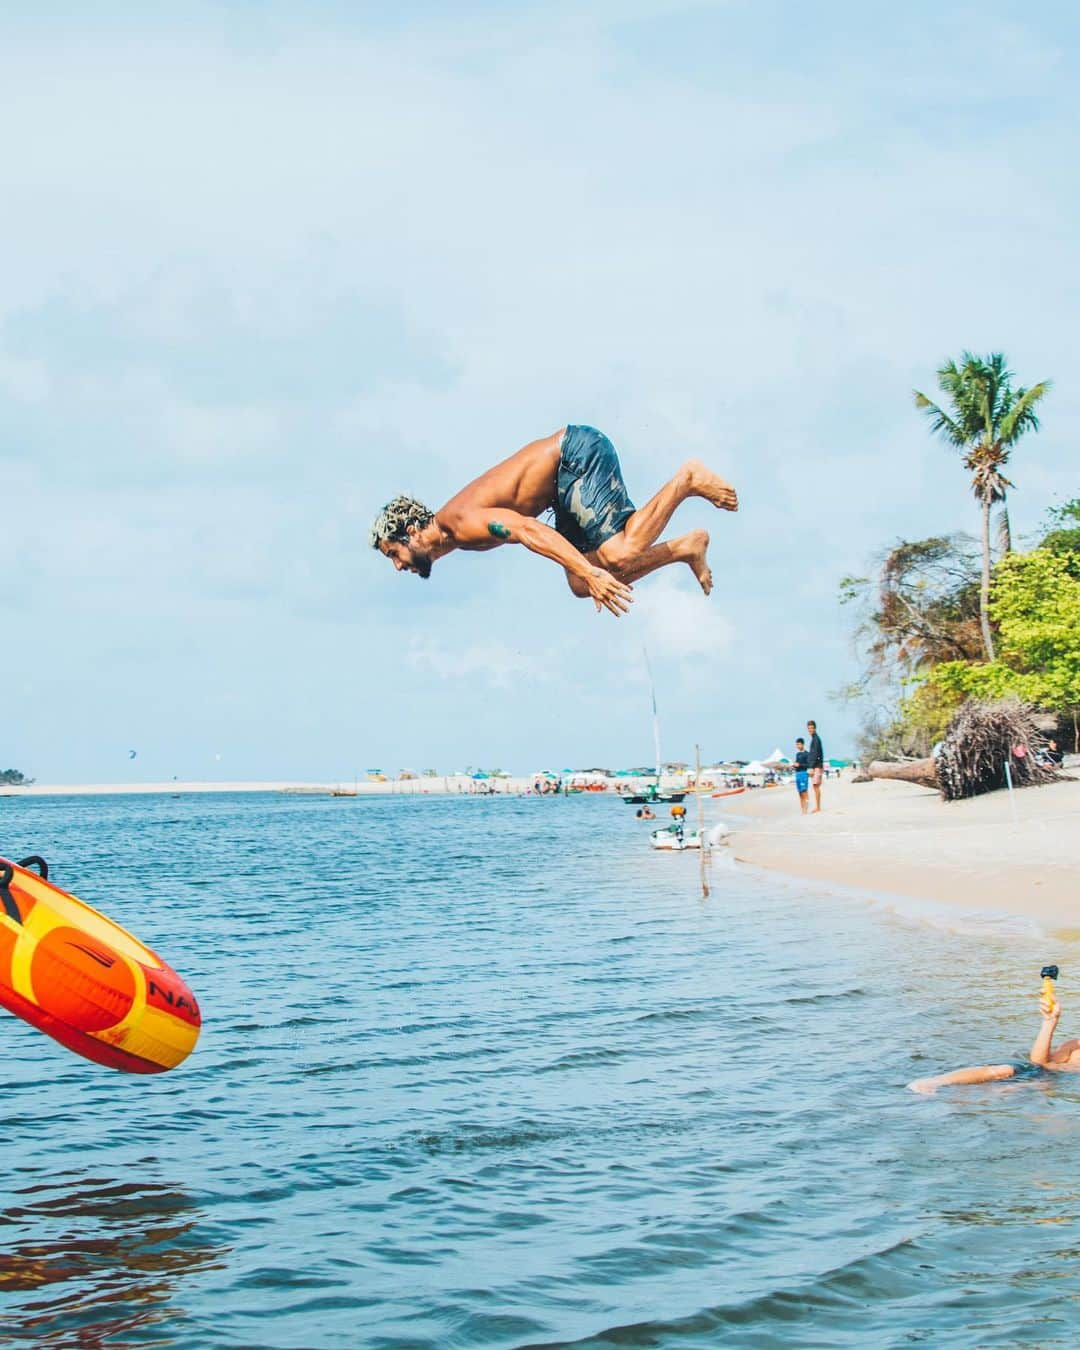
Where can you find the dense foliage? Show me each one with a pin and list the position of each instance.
(13, 778)
(1035, 610)
(1036, 606)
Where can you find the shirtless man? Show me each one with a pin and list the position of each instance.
(600, 540)
(1065, 1059)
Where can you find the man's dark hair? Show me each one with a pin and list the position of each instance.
(812, 723)
(799, 740)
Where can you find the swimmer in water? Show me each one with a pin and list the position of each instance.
(600, 539)
(1065, 1059)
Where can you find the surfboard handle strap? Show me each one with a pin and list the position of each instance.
(11, 909)
(7, 875)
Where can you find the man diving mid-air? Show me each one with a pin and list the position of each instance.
(600, 540)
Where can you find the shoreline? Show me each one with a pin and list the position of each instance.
(900, 839)
(444, 785)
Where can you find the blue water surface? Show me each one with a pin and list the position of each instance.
(489, 1072)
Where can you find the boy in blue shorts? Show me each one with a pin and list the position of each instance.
(802, 774)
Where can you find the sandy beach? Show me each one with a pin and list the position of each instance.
(1022, 857)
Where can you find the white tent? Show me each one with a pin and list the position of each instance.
(755, 769)
(777, 757)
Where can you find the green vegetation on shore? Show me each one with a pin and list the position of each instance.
(14, 778)
(942, 620)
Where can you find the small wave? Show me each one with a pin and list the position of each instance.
(472, 1139)
(847, 1289)
(579, 1059)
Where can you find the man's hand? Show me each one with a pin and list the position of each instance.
(1050, 1011)
(608, 593)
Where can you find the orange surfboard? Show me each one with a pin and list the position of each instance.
(85, 981)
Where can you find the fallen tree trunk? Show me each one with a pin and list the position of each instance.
(986, 746)
(921, 771)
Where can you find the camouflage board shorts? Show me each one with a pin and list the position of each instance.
(592, 502)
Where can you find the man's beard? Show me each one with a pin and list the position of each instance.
(422, 563)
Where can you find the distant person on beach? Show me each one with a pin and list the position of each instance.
(1054, 753)
(802, 774)
(816, 757)
(1066, 1059)
(600, 539)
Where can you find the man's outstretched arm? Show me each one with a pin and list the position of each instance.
(499, 525)
(1041, 1050)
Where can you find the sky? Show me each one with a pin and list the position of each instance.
(265, 265)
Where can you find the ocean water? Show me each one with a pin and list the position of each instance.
(489, 1072)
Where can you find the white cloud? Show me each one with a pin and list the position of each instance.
(492, 663)
(675, 622)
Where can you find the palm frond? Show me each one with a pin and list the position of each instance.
(941, 424)
(1021, 415)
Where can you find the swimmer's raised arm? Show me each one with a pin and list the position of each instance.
(488, 527)
(1041, 1050)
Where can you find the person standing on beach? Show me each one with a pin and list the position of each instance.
(802, 774)
(600, 539)
(816, 756)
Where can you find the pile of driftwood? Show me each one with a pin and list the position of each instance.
(981, 739)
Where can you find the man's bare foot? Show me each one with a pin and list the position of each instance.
(711, 486)
(698, 543)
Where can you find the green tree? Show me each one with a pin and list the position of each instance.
(1062, 533)
(1036, 605)
(984, 417)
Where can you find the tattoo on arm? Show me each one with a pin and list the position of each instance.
(497, 530)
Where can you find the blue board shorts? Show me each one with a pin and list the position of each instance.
(592, 502)
(1025, 1069)
(802, 781)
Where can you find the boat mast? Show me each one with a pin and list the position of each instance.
(655, 716)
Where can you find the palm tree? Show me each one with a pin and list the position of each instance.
(986, 418)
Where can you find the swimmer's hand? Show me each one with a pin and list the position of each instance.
(608, 593)
(1051, 1011)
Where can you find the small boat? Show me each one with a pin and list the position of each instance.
(651, 798)
(673, 840)
(652, 793)
(729, 792)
